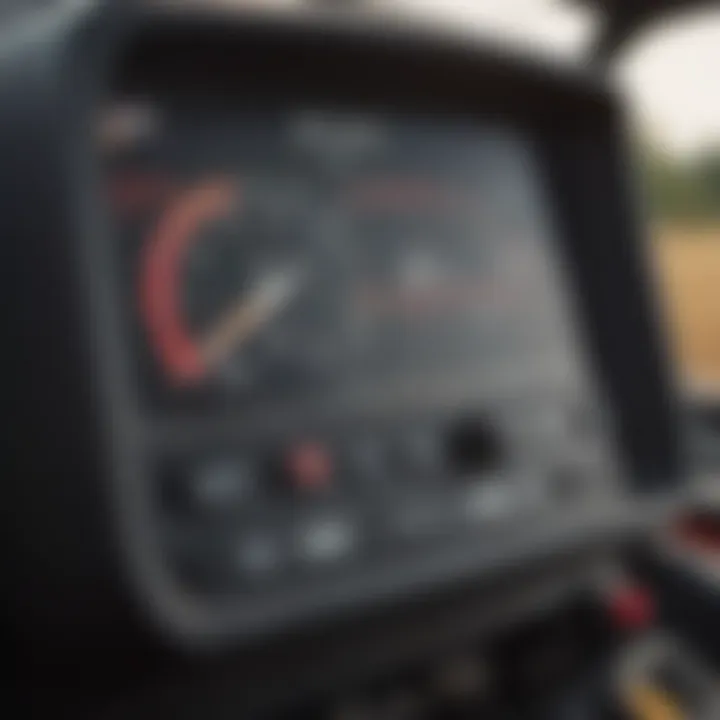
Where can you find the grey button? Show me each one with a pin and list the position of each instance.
(222, 484)
(259, 555)
(489, 500)
(327, 539)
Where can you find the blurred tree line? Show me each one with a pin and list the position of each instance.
(686, 191)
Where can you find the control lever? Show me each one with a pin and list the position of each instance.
(660, 680)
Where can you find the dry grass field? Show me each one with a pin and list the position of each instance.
(688, 264)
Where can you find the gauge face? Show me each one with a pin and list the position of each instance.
(420, 253)
(428, 286)
(236, 289)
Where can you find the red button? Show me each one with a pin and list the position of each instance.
(309, 466)
(632, 608)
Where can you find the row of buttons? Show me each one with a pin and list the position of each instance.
(303, 469)
(321, 542)
(226, 487)
(270, 547)
(268, 550)
(261, 517)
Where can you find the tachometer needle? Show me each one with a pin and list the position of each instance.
(270, 296)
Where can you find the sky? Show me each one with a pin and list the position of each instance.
(671, 77)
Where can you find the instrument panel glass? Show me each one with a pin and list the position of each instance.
(273, 255)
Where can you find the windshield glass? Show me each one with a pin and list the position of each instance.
(666, 73)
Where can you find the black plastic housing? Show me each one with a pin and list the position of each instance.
(76, 531)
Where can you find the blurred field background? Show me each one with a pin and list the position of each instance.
(683, 195)
(688, 264)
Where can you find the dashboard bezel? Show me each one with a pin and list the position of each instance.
(61, 70)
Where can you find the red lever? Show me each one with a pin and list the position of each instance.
(632, 608)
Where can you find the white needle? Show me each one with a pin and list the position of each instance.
(271, 294)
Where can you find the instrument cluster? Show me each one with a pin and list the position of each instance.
(273, 256)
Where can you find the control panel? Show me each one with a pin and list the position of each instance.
(337, 314)
(401, 275)
(310, 506)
